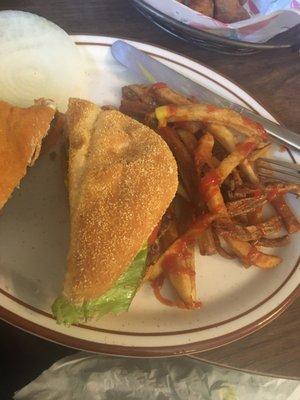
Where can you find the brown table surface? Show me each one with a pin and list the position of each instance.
(273, 78)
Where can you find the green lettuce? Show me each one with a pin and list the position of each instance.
(115, 300)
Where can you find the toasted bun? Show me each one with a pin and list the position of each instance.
(81, 118)
(21, 134)
(122, 178)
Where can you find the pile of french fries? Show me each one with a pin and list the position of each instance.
(220, 199)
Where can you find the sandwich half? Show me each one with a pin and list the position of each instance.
(21, 134)
(121, 179)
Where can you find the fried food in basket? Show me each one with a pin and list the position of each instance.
(205, 7)
(216, 150)
(226, 11)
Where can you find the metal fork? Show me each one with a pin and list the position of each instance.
(273, 170)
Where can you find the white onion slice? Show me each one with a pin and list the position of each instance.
(37, 59)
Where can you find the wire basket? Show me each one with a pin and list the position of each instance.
(209, 41)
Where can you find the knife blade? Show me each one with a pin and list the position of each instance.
(151, 70)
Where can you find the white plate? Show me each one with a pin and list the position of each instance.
(34, 240)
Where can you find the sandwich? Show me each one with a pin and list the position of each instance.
(21, 133)
(121, 179)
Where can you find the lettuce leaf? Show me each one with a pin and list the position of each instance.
(115, 300)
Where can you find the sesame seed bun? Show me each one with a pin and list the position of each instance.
(122, 177)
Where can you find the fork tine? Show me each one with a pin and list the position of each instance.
(275, 170)
(280, 171)
(283, 164)
(272, 178)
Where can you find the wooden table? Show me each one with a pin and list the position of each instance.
(273, 78)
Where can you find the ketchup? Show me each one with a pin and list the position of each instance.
(178, 251)
(159, 85)
(181, 253)
(197, 228)
(211, 108)
(209, 185)
(171, 110)
(257, 193)
(250, 257)
(273, 193)
(259, 128)
(210, 193)
(170, 265)
(157, 286)
(279, 203)
(245, 148)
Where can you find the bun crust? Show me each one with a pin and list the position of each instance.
(122, 178)
(21, 134)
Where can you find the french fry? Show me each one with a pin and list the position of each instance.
(261, 152)
(248, 233)
(227, 140)
(182, 192)
(256, 217)
(206, 243)
(211, 114)
(281, 188)
(220, 250)
(236, 231)
(164, 95)
(244, 191)
(269, 227)
(182, 277)
(153, 272)
(270, 190)
(290, 221)
(190, 126)
(212, 164)
(171, 261)
(245, 206)
(210, 191)
(223, 135)
(276, 242)
(188, 139)
(157, 285)
(138, 93)
(234, 159)
(184, 160)
(180, 271)
(185, 214)
(250, 255)
(211, 181)
(236, 180)
(209, 187)
(167, 234)
(184, 281)
(135, 108)
(203, 152)
(190, 236)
